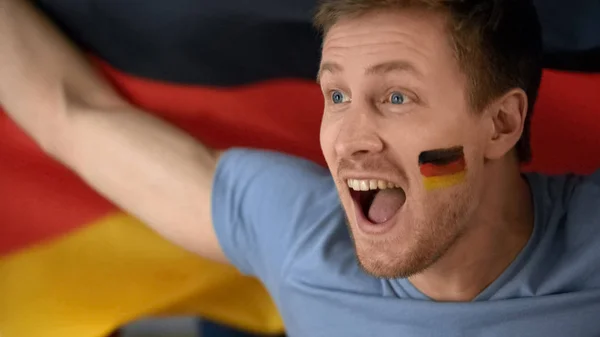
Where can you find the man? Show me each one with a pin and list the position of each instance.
(426, 121)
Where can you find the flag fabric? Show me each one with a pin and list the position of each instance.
(231, 73)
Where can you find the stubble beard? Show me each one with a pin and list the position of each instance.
(419, 245)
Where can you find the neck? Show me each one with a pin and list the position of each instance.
(500, 229)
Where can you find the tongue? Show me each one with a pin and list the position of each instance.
(385, 204)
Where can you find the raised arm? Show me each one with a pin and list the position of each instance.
(144, 165)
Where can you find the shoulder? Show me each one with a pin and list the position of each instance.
(582, 197)
(269, 207)
(568, 209)
(269, 181)
(569, 199)
(255, 163)
(568, 192)
(582, 206)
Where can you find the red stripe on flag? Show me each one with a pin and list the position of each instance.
(432, 170)
(39, 198)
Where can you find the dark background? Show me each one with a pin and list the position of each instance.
(230, 42)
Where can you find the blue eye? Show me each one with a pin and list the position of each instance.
(397, 98)
(337, 97)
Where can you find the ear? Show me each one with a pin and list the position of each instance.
(508, 115)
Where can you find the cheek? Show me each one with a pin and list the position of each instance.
(444, 207)
(327, 140)
(475, 144)
(463, 130)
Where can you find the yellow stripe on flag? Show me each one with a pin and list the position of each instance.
(90, 282)
(432, 183)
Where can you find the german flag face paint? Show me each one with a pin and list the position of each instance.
(442, 167)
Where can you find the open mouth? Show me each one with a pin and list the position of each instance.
(379, 200)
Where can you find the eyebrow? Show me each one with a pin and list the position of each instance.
(398, 65)
(378, 69)
(331, 67)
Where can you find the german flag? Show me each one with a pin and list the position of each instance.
(442, 167)
(231, 73)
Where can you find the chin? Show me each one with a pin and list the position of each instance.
(402, 265)
(401, 258)
(414, 239)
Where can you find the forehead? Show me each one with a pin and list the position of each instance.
(414, 36)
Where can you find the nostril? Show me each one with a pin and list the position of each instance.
(359, 146)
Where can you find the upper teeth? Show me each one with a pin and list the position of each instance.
(365, 184)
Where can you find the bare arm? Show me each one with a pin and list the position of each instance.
(147, 167)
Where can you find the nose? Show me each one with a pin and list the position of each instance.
(358, 136)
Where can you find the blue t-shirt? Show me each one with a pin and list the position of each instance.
(279, 218)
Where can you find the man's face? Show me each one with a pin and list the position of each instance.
(394, 92)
